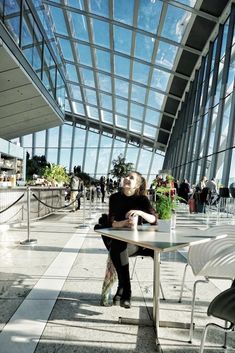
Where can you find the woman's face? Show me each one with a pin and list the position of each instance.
(131, 181)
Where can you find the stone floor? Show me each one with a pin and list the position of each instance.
(50, 294)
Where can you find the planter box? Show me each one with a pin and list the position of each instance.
(164, 225)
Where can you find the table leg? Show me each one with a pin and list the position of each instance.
(156, 295)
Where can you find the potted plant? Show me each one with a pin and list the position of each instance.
(165, 205)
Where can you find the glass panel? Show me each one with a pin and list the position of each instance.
(104, 82)
(93, 113)
(175, 23)
(100, 7)
(121, 106)
(91, 153)
(79, 26)
(90, 96)
(144, 47)
(103, 60)
(121, 121)
(202, 139)
(225, 123)
(75, 92)
(149, 15)
(231, 72)
(88, 77)
(78, 154)
(220, 166)
(121, 88)
(84, 54)
(65, 157)
(166, 55)
(152, 117)
(156, 166)
(106, 101)
(78, 108)
(101, 33)
(135, 126)
(123, 11)
(160, 79)
(52, 154)
(150, 131)
(58, 19)
(12, 22)
(212, 131)
(53, 137)
(138, 94)
(122, 39)
(40, 138)
(79, 138)
(137, 111)
(132, 155)
(104, 156)
(155, 99)
(66, 139)
(232, 168)
(75, 3)
(66, 49)
(107, 117)
(121, 66)
(71, 72)
(140, 72)
(144, 162)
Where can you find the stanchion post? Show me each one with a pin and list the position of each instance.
(28, 241)
(83, 225)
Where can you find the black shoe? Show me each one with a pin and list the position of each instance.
(118, 296)
(125, 303)
(116, 299)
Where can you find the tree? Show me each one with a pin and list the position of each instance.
(120, 167)
(35, 165)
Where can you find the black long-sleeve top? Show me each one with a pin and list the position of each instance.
(120, 204)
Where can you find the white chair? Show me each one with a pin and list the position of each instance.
(221, 307)
(213, 259)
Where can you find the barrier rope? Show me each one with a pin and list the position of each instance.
(56, 208)
(7, 208)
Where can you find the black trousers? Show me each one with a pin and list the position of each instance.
(120, 252)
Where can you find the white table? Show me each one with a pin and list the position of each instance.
(149, 237)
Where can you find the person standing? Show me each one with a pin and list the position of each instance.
(102, 188)
(74, 189)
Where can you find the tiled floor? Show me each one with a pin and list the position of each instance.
(50, 294)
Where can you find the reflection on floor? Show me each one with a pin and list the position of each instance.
(50, 294)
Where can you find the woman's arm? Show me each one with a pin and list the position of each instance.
(150, 218)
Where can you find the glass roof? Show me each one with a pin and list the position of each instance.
(120, 57)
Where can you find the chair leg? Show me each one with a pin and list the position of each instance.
(163, 296)
(193, 307)
(204, 338)
(182, 284)
(133, 269)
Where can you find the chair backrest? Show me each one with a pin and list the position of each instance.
(221, 265)
(223, 306)
(200, 254)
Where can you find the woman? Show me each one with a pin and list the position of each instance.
(123, 206)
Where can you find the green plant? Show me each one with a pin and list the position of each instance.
(55, 172)
(164, 203)
(120, 167)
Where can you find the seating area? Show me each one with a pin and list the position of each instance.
(50, 294)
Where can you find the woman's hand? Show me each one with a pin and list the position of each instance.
(126, 223)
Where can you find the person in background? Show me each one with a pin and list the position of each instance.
(211, 185)
(184, 190)
(74, 189)
(102, 188)
(130, 201)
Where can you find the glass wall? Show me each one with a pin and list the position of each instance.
(210, 150)
(25, 26)
(71, 145)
